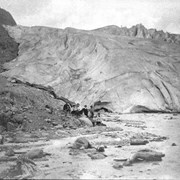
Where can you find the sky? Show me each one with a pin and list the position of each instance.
(91, 14)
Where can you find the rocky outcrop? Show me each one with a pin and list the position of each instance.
(6, 18)
(8, 47)
(141, 32)
(124, 73)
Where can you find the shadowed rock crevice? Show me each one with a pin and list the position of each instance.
(143, 109)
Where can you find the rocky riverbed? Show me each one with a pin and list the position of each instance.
(61, 161)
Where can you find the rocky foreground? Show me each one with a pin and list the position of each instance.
(141, 146)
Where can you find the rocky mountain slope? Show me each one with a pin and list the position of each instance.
(8, 47)
(122, 73)
(22, 105)
(141, 32)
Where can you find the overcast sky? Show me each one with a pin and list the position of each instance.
(91, 14)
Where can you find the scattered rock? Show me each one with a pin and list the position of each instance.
(65, 125)
(1, 139)
(97, 155)
(138, 142)
(35, 153)
(127, 163)
(48, 120)
(59, 126)
(61, 133)
(99, 123)
(72, 127)
(75, 152)
(10, 152)
(118, 146)
(2, 129)
(145, 155)
(120, 159)
(100, 149)
(25, 167)
(54, 123)
(25, 126)
(117, 166)
(159, 139)
(44, 128)
(81, 142)
(49, 109)
(86, 121)
(10, 126)
(34, 136)
(174, 144)
(30, 121)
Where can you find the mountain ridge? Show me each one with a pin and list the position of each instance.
(140, 31)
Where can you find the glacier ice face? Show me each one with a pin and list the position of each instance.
(121, 72)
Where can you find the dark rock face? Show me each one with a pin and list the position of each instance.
(8, 47)
(6, 18)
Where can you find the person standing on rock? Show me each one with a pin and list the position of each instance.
(91, 115)
(67, 109)
(84, 111)
(76, 110)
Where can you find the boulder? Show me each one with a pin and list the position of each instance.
(81, 143)
(86, 121)
(138, 142)
(117, 166)
(100, 148)
(35, 153)
(97, 155)
(10, 152)
(144, 155)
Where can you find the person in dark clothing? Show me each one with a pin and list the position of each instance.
(73, 109)
(91, 115)
(67, 108)
(85, 111)
(76, 110)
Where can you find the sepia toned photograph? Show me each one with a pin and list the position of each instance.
(90, 89)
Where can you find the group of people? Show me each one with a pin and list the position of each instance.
(77, 111)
